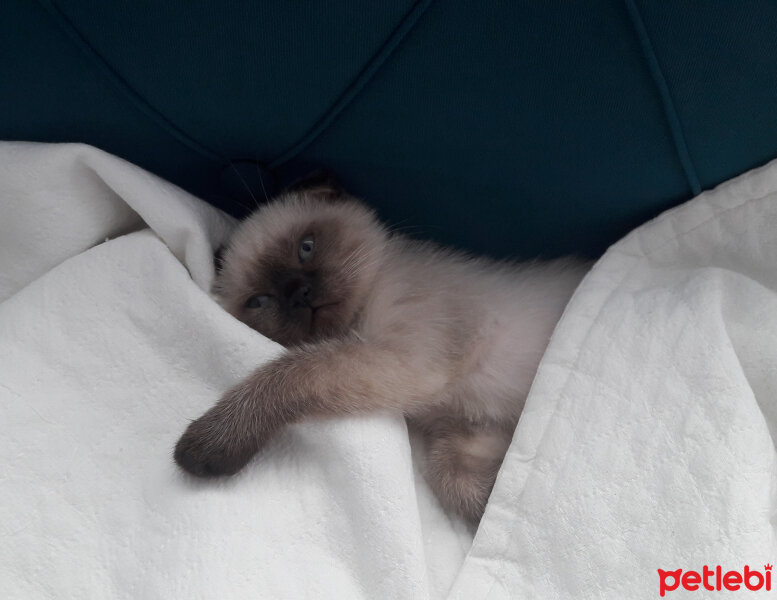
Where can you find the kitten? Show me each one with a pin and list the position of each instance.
(373, 320)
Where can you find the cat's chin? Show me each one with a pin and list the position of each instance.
(326, 319)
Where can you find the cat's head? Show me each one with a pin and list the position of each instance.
(301, 267)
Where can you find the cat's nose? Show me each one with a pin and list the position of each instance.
(298, 294)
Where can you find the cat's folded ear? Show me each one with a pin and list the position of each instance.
(319, 183)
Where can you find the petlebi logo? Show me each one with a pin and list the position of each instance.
(715, 579)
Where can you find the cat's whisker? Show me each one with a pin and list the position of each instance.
(354, 260)
(362, 266)
(399, 228)
(232, 200)
(245, 183)
(261, 181)
(360, 263)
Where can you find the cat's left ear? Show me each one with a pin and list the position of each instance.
(319, 183)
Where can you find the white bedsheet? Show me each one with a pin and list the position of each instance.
(647, 441)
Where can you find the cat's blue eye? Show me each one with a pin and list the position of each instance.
(306, 248)
(258, 301)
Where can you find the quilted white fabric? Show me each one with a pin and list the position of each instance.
(109, 344)
(648, 440)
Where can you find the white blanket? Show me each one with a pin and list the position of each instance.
(647, 441)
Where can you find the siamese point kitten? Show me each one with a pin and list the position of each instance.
(372, 321)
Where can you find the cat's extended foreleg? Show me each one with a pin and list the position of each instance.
(329, 378)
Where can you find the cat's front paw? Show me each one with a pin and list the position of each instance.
(208, 448)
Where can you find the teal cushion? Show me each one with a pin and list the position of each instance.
(512, 128)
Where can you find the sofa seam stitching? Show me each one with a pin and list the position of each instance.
(352, 90)
(665, 96)
(120, 84)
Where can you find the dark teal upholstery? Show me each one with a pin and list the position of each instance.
(513, 128)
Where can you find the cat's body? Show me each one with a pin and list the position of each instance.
(377, 321)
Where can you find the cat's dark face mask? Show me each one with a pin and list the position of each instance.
(301, 270)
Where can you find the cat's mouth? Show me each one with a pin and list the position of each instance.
(319, 313)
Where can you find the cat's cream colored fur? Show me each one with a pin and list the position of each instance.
(451, 341)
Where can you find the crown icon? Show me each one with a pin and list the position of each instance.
(768, 567)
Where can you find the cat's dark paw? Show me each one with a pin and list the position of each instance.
(207, 450)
